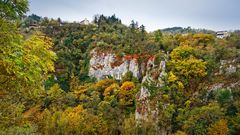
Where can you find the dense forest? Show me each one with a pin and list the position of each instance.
(46, 87)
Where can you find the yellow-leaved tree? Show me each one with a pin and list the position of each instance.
(24, 66)
(127, 93)
(218, 128)
(186, 69)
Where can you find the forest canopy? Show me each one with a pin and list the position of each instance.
(46, 88)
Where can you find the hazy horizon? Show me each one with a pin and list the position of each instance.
(213, 15)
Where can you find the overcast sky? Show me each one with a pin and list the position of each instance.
(154, 14)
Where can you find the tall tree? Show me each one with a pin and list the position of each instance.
(13, 9)
(24, 65)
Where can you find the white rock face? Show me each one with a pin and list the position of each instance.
(107, 64)
(216, 87)
(143, 108)
(231, 69)
(102, 65)
(228, 66)
(133, 67)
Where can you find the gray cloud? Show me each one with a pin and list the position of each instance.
(154, 14)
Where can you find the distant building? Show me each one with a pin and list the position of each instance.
(85, 22)
(33, 26)
(222, 34)
(62, 23)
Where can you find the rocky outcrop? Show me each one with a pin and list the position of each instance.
(228, 66)
(103, 64)
(154, 74)
(107, 64)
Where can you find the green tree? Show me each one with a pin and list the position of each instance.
(13, 9)
(158, 36)
(197, 120)
(24, 66)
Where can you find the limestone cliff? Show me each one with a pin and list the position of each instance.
(104, 64)
(107, 64)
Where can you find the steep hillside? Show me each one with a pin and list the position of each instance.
(103, 77)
